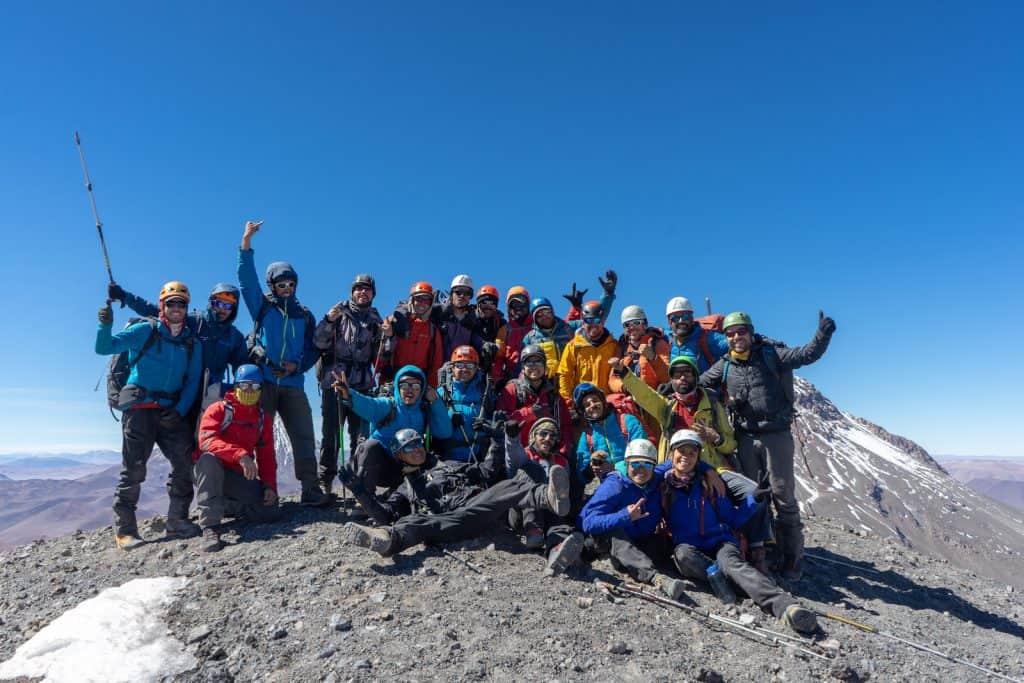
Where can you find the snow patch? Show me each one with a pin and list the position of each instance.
(119, 635)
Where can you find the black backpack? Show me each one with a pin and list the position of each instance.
(121, 368)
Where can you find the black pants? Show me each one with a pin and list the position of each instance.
(768, 457)
(329, 433)
(693, 564)
(629, 556)
(293, 406)
(374, 464)
(482, 514)
(223, 492)
(141, 429)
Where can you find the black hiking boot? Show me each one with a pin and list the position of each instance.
(565, 554)
(558, 490)
(211, 540)
(314, 497)
(380, 540)
(181, 527)
(793, 567)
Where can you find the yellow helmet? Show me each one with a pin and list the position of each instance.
(175, 289)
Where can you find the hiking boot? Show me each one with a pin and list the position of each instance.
(673, 588)
(211, 540)
(558, 490)
(378, 539)
(758, 559)
(565, 554)
(793, 567)
(128, 540)
(181, 527)
(801, 619)
(327, 486)
(534, 537)
(314, 497)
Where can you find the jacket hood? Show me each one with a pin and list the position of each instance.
(404, 372)
(225, 288)
(281, 269)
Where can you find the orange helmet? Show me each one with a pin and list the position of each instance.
(465, 353)
(178, 290)
(421, 288)
(518, 292)
(487, 290)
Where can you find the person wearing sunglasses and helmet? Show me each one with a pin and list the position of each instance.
(457, 319)
(468, 393)
(586, 357)
(411, 337)
(643, 349)
(493, 328)
(688, 338)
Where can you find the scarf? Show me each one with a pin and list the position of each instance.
(689, 399)
(740, 356)
(680, 483)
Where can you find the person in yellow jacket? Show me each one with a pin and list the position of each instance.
(586, 357)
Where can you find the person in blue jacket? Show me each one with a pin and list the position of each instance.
(688, 338)
(281, 344)
(413, 405)
(469, 395)
(165, 362)
(602, 444)
(703, 529)
(223, 344)
(623, 514)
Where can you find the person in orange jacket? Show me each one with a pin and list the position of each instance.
(586, 357)
(411, 338)
(642, 349)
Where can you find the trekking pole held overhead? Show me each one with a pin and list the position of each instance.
(95, 213)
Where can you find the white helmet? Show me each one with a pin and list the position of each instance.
(685, 436)
(461, 281)
(633, 313)
(678, 304)
(642, 449)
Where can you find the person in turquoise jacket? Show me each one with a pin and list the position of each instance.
(281, 344)
(688, 338)
(469, 396)
(602, 444)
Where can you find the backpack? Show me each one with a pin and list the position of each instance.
(258, 354)
(444, 381)
(424, 408)
(622, 404)
(121, 368)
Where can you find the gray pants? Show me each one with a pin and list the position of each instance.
(297, 416)
(629, 556)
(768, 456)
(223, 492)
(758, 528)
(693, 564)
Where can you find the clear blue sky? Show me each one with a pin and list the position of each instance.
(866, 159)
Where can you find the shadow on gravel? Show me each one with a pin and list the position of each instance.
(294, 518)
(823, 577)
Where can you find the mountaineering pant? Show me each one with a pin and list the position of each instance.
(627, 555)
(293, 406)
(480, 515)
(556, 529)
(375, 465)
(223, 492)
(329, 433)
(758, 528)
(768, 456)
(693, 564)
(141, 429)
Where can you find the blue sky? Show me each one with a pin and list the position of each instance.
(865, 159)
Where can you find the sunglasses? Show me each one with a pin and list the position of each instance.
(641, 464)
(533, 363)
(676, 373)
(175, 303)
(412, 447)
(362, 288)
(222, 305)
(486, 301)
(741, 332)
(595, 320)
(464, 365)
(422, 298)
(517, 304)
(287, 284)
(680, 317)
(247, 386)
(410, 385)
(462, 292)
(546, 434)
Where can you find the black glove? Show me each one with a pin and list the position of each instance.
(512, 428)
(826, 325)
(106, 314)
(458, 420)
(539, 411)
(488, 351)
(114, 292)
(609, 282)
(482, 426)
(575, 297)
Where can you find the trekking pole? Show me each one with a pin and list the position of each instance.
(916, 646)
(818, 558)
(341, 448)
(467, 563)
(95, 213)
(202, 399)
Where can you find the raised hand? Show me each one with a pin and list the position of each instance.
(636, 510)
(106, 315)
(575, 297)
(609, 282)
(826, 325)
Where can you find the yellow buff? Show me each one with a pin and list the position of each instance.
(247, 398)
(740, 356)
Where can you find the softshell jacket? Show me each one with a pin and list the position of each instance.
(754, 388)
(286, 331)
(692, 346)
(384, 425)
(654, 372)
(456, 332)
(517, 399)
(242, 436)
(470, 399)
(351, 344)
(606, 510)
(671, 416)
(607, 436)
(419, 343)
(695, 519)
(171, 379)
(584, 361)
(223, 344)
(555, 339)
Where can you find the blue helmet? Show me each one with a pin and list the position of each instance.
(540, 302)
(248, 373)
(582, 389)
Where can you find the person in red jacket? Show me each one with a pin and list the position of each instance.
(520, 322)
(411, 338)
(235, 469)
(531, 396)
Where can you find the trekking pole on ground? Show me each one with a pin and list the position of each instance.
(819, 558)
(96, 215)
(467, 563)
(916, 646)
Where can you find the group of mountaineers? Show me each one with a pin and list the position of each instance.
(666, 450)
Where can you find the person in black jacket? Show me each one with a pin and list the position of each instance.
(756, 380)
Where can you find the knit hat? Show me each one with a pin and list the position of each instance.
(542, 423)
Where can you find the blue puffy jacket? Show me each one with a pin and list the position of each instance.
(378, 410)
(692, 347)
(165, 367)
(696, 520)
(607, 436)
(466, 399)
(286, 332)
(606, 510)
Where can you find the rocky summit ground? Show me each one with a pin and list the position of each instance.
(290, 602)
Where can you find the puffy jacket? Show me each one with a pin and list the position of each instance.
(698, 345)
(415, 342)
(607, 435)
(470, 399)
(758, 390)
(654, 372)
(351, 344)
(250, 432)
(286, 331)
(168, 372)
(387, 415)
(695, 519)
(671, 415)
(223, 344)
(517, 399)
(555, 339)
(584, 361)
(606, 511)
(456, 332)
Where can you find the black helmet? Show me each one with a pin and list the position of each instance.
(593, 309)
(364, 279)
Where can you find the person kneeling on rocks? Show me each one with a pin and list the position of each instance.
(445, 501)
(235, 470)
(703, 527)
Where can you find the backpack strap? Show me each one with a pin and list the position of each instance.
(705, 348)
(623, 426)
(148, 344)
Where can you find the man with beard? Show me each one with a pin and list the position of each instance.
(417, 341)
(586, 357)
(531, 396)
(517, 301)
(688, 338)
(457, 320)
(642, 349)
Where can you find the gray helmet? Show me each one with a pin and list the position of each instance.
(532, 351)
(364, 279)
(281, 270)
(406, 437)
(630, 313)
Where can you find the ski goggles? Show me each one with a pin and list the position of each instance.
(635, 323)
(285, 284)
(410, 385)
(592, 320)
(175, 303)
(222, 305)
(247, 386)
(680, 317)
(640, 464)
(464, 365)
(677, 371)
(361, 288)
(486, 300)
(412, 446)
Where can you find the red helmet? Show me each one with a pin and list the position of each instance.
(487, 290)
(465, 353)
(519, 292)
(421, 288)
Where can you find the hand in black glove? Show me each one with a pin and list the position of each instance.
(488, 352)
(106, 315)
(826, 325)
(512, 428)
(115, 292)
(539, 411)
(457, 420)
(482, 426)
(609, 282)
(575, 297)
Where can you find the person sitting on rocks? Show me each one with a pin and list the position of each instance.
(703, 532)
(235, 470)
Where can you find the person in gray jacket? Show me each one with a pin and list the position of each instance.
(756, 382)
